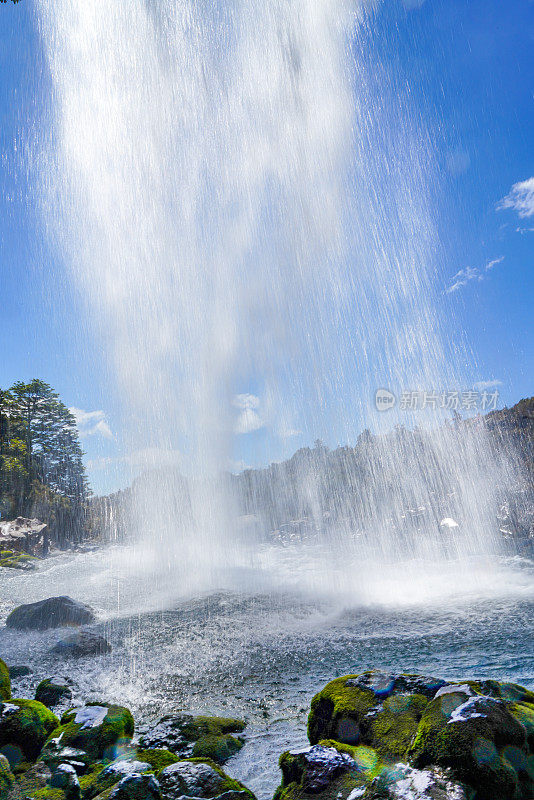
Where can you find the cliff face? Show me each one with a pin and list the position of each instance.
(378, 481)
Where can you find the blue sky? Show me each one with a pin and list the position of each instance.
(470, 69)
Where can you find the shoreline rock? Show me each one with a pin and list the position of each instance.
(54, 612)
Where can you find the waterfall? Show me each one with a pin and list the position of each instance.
(247, 200)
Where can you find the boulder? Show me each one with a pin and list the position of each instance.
(157, 757)
(54, 612)
(52, 691)
(218, 748)
(420, 737)
(136, 787)
(20, 671)
(205, 737)
(200, 779)
(82, 643)
(24, 728)
(104, 779)
(5, 681)
(25, 535)
(64, 777)
(97, 729)
(314, 768)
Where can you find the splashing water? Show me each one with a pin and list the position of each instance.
(246, 198)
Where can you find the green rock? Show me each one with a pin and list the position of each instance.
(5, 681)
(7, 779)
(218, 748)
(99, 729)
(24, 728)
(50, 692)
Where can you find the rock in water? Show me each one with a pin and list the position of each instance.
(53, 612)
(315, 767)
(24, 727)
(99, 730)
(191, 779)
(416, 738)
(202, 737)
(20, 671)
(82, 643)
(25, 535)
(52, 691)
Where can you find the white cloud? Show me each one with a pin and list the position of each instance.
(249, 419)
(522, 231)
(482, 385)
(520, 199)
(462, 278)
(91, 422)
(494, 263)
(465, 276)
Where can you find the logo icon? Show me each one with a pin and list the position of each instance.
(384, 400)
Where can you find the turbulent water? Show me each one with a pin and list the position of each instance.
(263, 654)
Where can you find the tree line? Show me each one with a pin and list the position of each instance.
(41, 468)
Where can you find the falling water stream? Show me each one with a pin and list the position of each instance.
(247, 200)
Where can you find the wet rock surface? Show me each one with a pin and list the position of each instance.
(54, 612)
(82, 643)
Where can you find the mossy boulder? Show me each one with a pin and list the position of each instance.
(481, 731)
(24, 727)
(5, 681)
(347, 707)
(7, 779)
(103, 777)
(200, 777)
(51, 691)
(201, 736)
(15, 560)
(98, 729)
(477, 736)
(218, 748)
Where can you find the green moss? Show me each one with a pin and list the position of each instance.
(211, 726)
(48, 794)
(472, 748)
(5, 681)
(50, 693)
(337, 710)
(392, 730)
(88, 780)
(100, 741)
(524, 713)
(16, 560)
(7, 779)
(158, 758)
(26, 729)
(218, 748)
